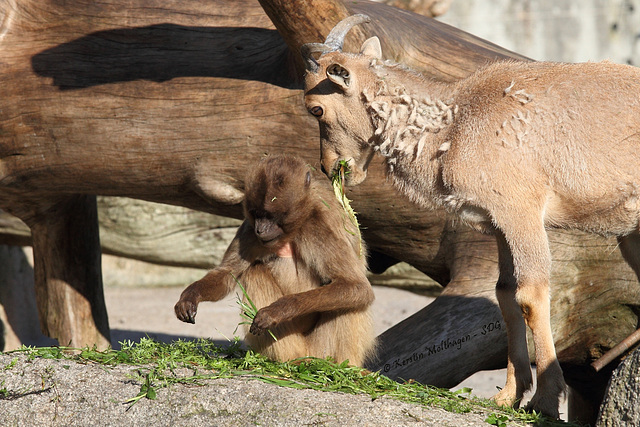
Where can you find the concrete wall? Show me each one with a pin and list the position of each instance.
(555, 30)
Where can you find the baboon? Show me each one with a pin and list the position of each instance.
(301, 261)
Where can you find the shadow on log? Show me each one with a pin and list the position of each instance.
(159, 53)
(173, 101)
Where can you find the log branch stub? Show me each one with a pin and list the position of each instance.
(68, 274)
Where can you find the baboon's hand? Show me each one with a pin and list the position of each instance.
(266, 318)
(186, 310)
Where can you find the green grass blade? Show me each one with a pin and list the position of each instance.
(248, 311)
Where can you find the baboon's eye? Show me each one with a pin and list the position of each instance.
(316, 111)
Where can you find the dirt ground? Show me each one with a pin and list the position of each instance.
(62, 393)
(46, 392)
(151, 311)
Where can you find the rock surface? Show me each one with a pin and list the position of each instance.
(46, 392)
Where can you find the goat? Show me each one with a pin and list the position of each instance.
(512, 149)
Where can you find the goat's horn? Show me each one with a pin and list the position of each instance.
(334, 40)
(307, 49)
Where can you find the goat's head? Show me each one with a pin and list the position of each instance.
(334, 85)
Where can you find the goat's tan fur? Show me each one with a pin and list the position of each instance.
(512, 149)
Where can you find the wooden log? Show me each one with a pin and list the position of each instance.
(166, 120)
(164, 236)
(68, 275)
(147, 231)
(13, 231)
(588, 314)
(107, 98)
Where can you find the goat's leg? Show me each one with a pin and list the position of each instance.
(527, 241)
(519, 377)
(533, 298)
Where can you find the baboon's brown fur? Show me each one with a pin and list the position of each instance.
(302, 263)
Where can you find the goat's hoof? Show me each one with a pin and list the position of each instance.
(506, 398)
(546, 405)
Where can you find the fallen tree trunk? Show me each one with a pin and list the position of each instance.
(150, 232)
(107, 98)
(163, 235)
(173, 101)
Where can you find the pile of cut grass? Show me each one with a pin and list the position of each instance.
(160, 367)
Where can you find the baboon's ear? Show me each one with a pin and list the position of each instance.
(307, 180)
(339, 75)
(371, 47)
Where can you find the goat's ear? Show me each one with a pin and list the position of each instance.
(371, 47)
(339, 75)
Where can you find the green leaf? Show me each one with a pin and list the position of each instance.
(151, 393)
(497, 420)
(337, 180)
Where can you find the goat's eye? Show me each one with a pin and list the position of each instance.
(316, 111)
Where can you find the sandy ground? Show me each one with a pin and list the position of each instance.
(136, 311)
(151, 310)
(60, 393)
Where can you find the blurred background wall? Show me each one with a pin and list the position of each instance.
(554, 30)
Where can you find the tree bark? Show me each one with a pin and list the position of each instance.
(68, 275)
(621, 405)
